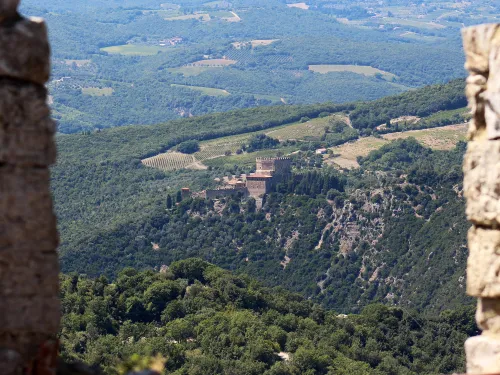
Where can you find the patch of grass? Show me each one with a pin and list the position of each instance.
(347, 154)
(134, 50)
(426, 38)
(413, 23)
(205, 17)
(164, 13)
(302, 6)
(359, 69)
(191, 71)
(262, 42)
(205, 90)
(214, 62)
(96, 91)
(444, 138)
(221, 14)
(273, 98)
(300, 131)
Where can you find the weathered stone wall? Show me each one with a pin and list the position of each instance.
(482, 191)
(282, 166)
(258, 186)
(29, 308)
(264, 164)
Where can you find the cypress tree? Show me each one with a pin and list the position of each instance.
(169, 202)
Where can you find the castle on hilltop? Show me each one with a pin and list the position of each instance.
(269, 172)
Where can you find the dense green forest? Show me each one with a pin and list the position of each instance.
(344, 239)
(333, 227)
(117, 63)
(206, 321)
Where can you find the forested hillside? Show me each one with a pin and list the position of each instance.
(345, 238)
(206, 321)
(117, 63)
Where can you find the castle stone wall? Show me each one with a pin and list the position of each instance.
(482, 191)
(258, 186)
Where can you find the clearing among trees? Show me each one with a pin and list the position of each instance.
(303, 6)
(204, 90)
(443, 138)
(134, 50)
(254, 43)
(204, 17)
(213, 62)
(96, 91)
(358, 69)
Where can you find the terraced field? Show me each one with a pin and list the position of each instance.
(216, 149)
(170, 161)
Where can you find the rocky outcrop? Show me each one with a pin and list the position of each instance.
(482, 191)
(29, 316)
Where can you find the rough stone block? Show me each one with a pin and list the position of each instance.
(26, 218)
(37, 314)
(26, 129)
(483, 264)
(33, 274)
(477, 42)
(483, 355)
(488, 315)
(24, 49)
(482, 182)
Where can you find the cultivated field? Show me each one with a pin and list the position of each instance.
(348, 152)
(96, 91)
(254, 43)
(205, 90)
(359, 69)
(212, 153)
(191, 71)
(443, 138)
(247, 160)
(300, 131)
(205, 17)
(213, 62)
(133, 50)
(170, 161)
(413, 23)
